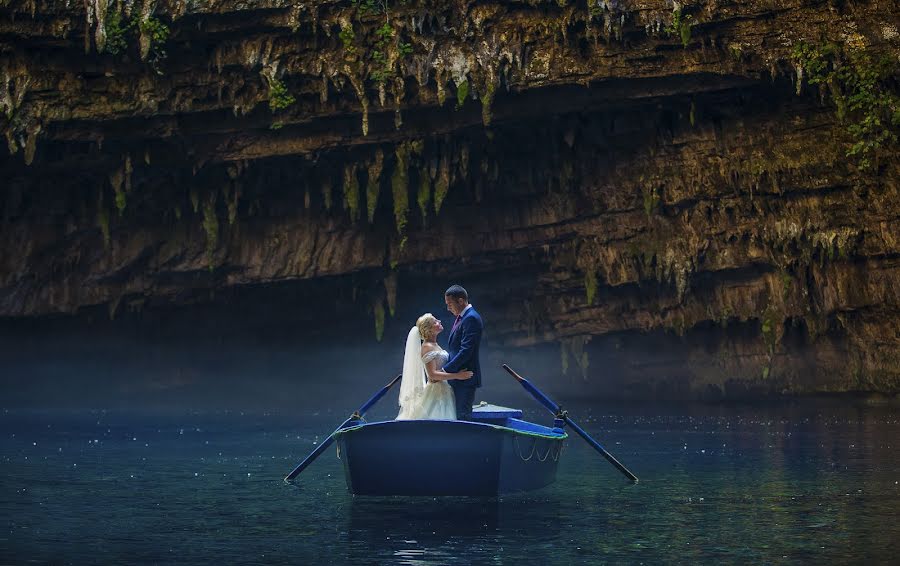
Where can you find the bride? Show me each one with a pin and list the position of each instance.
(424, 392)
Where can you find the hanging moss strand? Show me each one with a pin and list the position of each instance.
(351, 192)
(399, 189)
(211, 228)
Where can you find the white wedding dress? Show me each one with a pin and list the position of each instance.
(420, 398)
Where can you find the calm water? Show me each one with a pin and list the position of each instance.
(797, 484)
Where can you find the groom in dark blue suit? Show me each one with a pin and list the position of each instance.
(465, 340)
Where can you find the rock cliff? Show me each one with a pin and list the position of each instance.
(714, 182)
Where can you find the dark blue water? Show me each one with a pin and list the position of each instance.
(802, 484)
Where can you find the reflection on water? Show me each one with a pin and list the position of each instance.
(808, 483)
(419, 531)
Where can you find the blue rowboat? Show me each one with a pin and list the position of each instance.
(494, 453)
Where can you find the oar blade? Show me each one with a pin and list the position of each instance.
(603, 452)
(310, 459)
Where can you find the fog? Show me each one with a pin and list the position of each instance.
(282, 347)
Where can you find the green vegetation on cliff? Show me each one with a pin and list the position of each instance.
(116, 33)
(154, 34)
(351, 192)
(400, 191)
(604, 132)
(151, 35)
(858, 82)
(462, 93)
(681, 26)
(279, 97)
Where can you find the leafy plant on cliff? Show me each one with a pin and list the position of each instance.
(279, 97)
(382, 55)
(347, 37)
(857, 80)
(367, 7)
(156, 30)
(156, 34)
(116, 31)
(382, 70)
(681, 26)
(153, 32)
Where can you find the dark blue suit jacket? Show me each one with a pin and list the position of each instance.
(463, 349)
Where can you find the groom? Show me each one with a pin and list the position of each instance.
(465, 339)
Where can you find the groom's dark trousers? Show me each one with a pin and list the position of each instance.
(465, 341)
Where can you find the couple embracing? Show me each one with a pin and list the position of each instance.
(437, 383)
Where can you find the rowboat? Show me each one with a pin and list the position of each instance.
(494, 453)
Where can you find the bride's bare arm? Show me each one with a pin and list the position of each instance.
(436, 374)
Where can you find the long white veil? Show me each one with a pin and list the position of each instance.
(413, 382)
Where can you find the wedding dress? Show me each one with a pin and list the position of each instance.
(420, 398)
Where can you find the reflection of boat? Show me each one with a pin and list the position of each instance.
(495, 453)
(429, 530)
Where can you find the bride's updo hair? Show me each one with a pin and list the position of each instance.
(426, 324)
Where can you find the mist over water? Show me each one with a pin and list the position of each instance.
(121, 369)
(276, 348)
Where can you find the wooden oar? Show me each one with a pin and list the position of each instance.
(353, 418)
(560, 414)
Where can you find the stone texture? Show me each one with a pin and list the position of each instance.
(673, 208)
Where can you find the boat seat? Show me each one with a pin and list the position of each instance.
(494, 414)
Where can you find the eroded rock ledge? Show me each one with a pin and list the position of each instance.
(651, 175)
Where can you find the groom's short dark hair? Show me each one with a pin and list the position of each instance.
(457, 292)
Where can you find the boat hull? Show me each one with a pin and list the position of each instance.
(447, 458)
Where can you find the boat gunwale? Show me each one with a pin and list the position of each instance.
(553, 436)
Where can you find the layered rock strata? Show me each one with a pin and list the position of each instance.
(670, 195)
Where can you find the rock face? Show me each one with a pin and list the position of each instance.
(692, 198)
